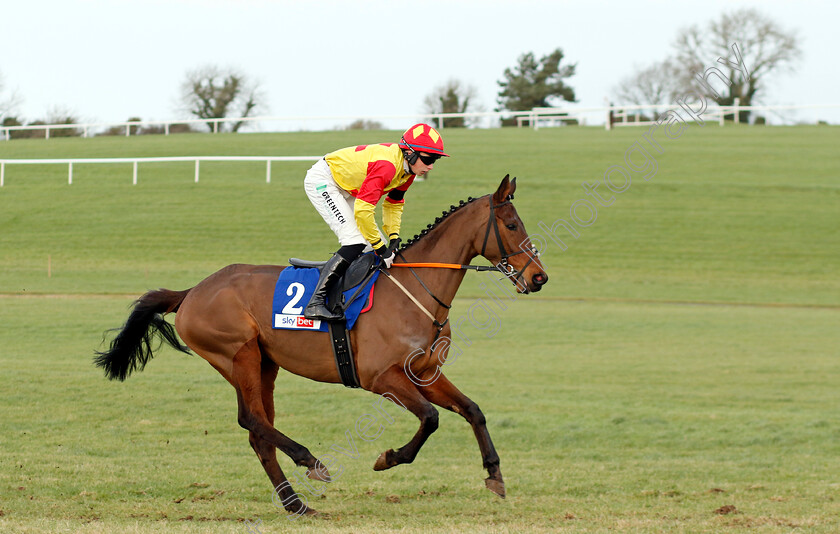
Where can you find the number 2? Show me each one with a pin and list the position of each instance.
(290, 308)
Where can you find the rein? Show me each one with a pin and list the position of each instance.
(435, 322)
(503, 267)
(457, 266)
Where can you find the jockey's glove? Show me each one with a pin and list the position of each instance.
(387, 254)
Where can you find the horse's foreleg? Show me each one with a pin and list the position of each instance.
(254, 383)
(443, 393)
(396, 383)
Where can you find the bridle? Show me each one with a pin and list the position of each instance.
(504, 266)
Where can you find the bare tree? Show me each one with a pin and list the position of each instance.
(452, 97)
(657, 84)
(763, 45)
(62, 115)
(214, 93)
(8, 103)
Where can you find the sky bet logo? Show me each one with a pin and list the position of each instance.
(295, 321)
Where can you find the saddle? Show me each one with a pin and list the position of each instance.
(357, 274)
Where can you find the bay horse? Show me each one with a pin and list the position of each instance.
(227, 320)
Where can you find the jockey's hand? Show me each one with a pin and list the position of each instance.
(386, 254)
(394, 243)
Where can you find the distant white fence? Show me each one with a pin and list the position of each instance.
(88, 129)
(641, 115)
(136, 161)
(621, 115)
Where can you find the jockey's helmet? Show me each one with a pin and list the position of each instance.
(423, 138)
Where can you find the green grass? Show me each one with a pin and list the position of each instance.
(733, 214)
(683, 357)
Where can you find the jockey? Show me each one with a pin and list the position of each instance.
(345, 187)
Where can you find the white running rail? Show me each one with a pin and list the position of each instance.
(136, 161)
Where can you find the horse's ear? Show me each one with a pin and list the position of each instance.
(505, 189)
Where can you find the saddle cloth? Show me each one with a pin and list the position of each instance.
(295, 287)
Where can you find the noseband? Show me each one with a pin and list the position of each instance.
(504, 266)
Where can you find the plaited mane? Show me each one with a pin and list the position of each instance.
(438, 220)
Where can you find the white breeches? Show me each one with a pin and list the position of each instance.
(333, 203)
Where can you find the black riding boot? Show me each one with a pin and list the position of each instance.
(317, 307)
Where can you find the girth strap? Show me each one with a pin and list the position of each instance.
(343, 352)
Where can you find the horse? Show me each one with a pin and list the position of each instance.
(226, 319)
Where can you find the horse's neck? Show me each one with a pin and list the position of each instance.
(444, 244)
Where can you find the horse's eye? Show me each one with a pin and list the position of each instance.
(511, 226)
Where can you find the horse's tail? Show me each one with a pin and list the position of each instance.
(132, 347)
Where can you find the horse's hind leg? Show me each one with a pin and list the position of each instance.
(267, 453)
(443, 393)
(396, 383)
(253, 377)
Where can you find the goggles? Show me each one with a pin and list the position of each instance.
(428, 160)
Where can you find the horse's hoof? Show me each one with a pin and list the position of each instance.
(382, 462)
(496, 486)
(306, 512)
(321, 474)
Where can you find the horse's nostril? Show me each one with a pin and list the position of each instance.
(540, 279)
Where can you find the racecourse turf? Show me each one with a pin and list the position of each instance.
(679, 372)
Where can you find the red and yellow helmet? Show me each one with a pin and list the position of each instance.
(423, 138)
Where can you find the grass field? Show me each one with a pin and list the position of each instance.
(682, 359)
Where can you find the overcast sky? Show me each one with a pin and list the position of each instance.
(110, 60)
